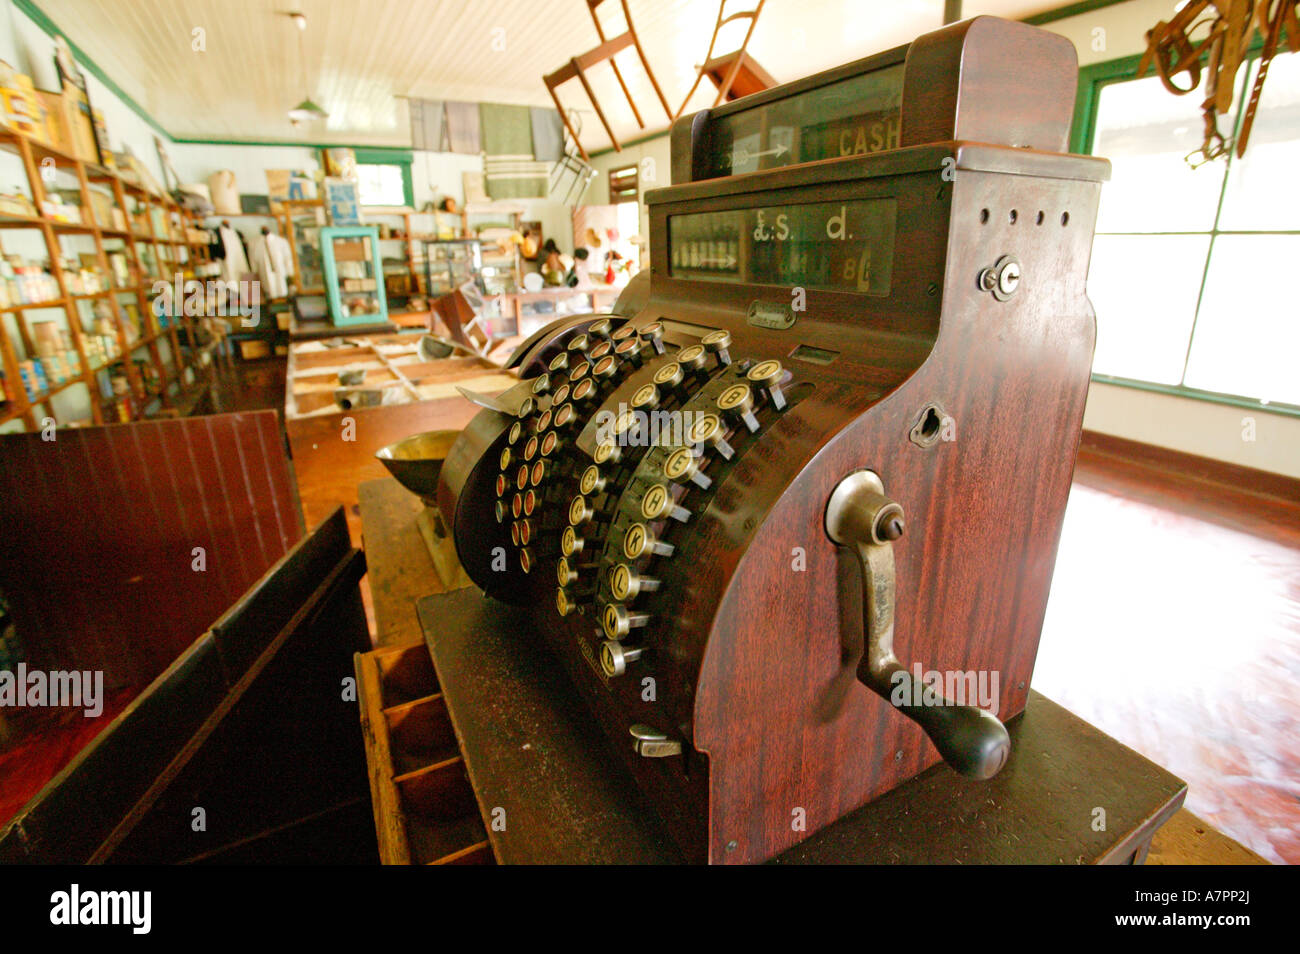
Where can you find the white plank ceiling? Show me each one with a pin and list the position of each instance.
(362, 58)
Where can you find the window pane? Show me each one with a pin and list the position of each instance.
(1261, 191)
(1144, 289)
(380, 185)
(1146, 132)
(1248, 333)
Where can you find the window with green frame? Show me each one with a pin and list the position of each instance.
(384, 177)
(1194, 270)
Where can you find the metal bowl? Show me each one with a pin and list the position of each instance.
(432, 348)
(417, 460)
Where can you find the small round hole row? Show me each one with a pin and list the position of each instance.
(1014, 215)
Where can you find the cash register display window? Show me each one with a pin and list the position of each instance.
(843, 246)
(853, 117)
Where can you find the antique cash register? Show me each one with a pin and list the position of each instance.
(782, 513)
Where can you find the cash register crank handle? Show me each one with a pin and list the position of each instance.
(859, 516)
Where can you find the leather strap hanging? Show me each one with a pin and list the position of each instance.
(1231, 24)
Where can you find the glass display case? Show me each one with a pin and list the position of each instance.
(450, 263)
(353, 275)
(310, 273)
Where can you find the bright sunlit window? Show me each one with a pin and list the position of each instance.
(1191, 268)
(380, 184)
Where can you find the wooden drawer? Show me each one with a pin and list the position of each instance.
(425, 811)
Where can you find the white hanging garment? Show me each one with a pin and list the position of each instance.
(235, 264)
(268, 270)
(281, 254)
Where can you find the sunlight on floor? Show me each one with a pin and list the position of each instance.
(1182, 640)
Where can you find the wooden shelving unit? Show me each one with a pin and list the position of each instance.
(412, 239)
(152, 233)
(289, 211)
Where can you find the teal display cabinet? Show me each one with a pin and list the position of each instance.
(354, 275)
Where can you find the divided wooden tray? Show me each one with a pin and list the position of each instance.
(425, 811)
(389, 364)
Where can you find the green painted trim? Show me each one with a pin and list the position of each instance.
(1098, 75)
(1091, 80)
(387, 156)
(37, 16)
(408, 184)
(293, 143)
(1070, 10)
(1196, 394)
(371, 233)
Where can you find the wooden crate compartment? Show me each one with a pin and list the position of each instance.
(310, 402)
(443, 825)
(425, 810)
(406, 674)
(420, 734)
(374, 377)
(331, 358)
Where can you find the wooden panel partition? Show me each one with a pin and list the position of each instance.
(250, 724)
(124, 543)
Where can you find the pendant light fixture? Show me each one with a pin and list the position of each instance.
(307, 110)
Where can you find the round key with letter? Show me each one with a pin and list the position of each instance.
(614, 656)
(591, 481)
(718, 343)
(657, 502)
(626, 583)
(707, 429)
(580, 511)
(639, 541)
(767, 375)
(682, 466)
(738, 401)
(654, 334)
(692, 358)
(618, 622)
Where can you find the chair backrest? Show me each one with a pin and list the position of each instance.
(463, 323)
(724, 19)
(737, 56)
(630, 27)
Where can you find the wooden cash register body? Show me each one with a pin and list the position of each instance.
(755, 630)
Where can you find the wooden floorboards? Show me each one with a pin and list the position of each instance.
(1174, 626)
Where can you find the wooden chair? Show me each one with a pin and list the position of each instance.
(465, 325)
(571, 164)
(607, 50)
(735, 74)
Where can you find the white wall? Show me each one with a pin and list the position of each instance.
(194, 162)
(28, 48)
(1110, 33)
(438, 175)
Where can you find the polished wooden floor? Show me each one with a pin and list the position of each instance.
(1174, 626)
